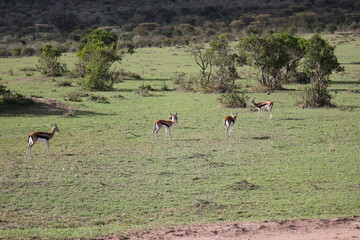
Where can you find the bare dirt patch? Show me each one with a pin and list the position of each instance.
(49, 104)
(315, 229)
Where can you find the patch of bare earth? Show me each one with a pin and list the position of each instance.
(49, 104)
(315, 229)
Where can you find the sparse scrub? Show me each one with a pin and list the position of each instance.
(144, 90)
(64, 83)
(75, 96)
(98, 99)
(186, 83)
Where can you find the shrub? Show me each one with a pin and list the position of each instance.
(319, 62)
(144, 90)
(125, 74)
(97, 53)
(312, 97)
(27, 51)
(5, 53)
(63, 83)
(185, 83)
(15, 52)
(74, 96)
(8, 97)
(49, 61)
(27, 69)
(98, 99)
(233, 100)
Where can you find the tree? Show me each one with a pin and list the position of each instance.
(276, 56)
(331, 28)
(97, 53)
(49, 61)
(217, 64)
(64, 21)
(319, 62)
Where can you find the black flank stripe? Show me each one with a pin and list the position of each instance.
(165, 124)
(43, 137)
(262, 105)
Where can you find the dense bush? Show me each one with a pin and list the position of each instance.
(97, 53)
(217, 65)
(312, 97)
(27, 51)
(233, 100)
(319, 63)
(49, 61)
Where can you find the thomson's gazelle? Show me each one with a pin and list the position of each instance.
(260, 106)
(167, 124)
(41, 136)
(229, 122)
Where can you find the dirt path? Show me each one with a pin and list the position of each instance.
(331, 229)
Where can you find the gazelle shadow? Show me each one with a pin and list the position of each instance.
(262, 137)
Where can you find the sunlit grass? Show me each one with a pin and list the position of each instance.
(104, 174)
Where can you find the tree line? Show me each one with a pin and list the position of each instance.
(278, 58)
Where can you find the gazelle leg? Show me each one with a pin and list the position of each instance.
(31, 143)
(155, 131)
(28, 151)
(45, 147)
(231, 130)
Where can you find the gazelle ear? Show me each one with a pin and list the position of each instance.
(170, 113)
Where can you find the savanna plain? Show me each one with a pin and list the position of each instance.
(105, 176)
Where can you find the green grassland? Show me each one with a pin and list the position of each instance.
(105, 175)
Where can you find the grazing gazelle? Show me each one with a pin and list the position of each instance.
(167, 124)
(229, 122)
(260, 106)
(41, 136)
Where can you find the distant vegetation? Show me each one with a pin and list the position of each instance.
(27, 26)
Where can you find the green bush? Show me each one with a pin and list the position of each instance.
(27, 51)
(98, 51)
(5, 53)
(233, 100)
(63, 83)
(49, 61)
(312, 97)
(15, 52)
(75, 96)
(144, 90)
(8, 97)
(98, 99)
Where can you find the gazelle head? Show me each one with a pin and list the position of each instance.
(55, 128)
(234, 116)
(174, 118)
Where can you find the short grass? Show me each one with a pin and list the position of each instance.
(105, 175)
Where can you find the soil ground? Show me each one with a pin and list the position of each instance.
(315, 229)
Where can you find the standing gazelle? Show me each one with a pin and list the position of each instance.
(260, 106)
(41, 136)
(167, 124)
(229, 122)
